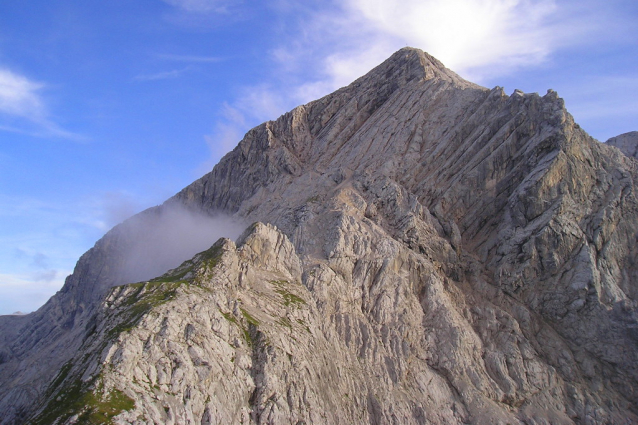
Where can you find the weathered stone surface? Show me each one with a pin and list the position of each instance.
(443, 253)
(626, 142)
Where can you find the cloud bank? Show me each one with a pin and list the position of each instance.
(465, 34)
(475, 38)
(23, 293)
(162, 238)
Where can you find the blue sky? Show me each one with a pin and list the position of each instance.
(110, 107)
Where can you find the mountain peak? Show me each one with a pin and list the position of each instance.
(409, 63)
(428, 250)
(412, 53)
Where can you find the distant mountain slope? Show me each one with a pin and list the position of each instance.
(626, 142)
(443, 253)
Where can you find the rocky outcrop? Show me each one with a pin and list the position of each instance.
(35, 346)
(626, 142)
(434, 252)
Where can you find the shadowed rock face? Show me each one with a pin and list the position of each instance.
(434, 252)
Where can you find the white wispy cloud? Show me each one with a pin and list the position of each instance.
(253, 105)
(202, 15)
(227, 132)
(114, 207)
(593, 101)
(261, 103)
(476, 38)
(28, 292)
(190, 58)
(23, 109)
(34, 262)
(200, 6)
(605, 106)
(472, 37)
(465, 34)
(19, 96)
(164, 75)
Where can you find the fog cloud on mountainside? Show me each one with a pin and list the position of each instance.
(162, 238)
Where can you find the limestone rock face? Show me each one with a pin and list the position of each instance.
(425, 250)
(626, 142)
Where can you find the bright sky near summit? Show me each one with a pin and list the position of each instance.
(107, 108)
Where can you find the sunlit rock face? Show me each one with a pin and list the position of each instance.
(424, 251)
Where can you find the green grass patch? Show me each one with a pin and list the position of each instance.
(229, 317)
(245, 331)
(212, 256)
(102, 410)
(60, 377)
(302, 323)
(250, 319)
(91, 406)
(289, 297)
(248, 337)
(148, 296)
(284, 321)
(209, 259)
(177, 274)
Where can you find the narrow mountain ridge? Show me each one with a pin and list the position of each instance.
(434, 252)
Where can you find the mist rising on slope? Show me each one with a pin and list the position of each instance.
(162, 238)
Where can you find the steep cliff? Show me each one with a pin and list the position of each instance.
(434, 252)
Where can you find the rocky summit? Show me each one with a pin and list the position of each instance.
(423, 251)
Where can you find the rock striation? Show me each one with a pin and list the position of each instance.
(425, 251)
